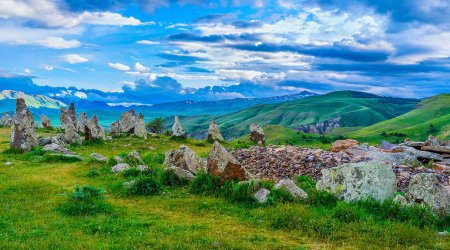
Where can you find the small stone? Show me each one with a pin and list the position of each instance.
(261, 195)
(98, 157)
(118, 159)
(135, 157)
(292, 188)
(120, 168)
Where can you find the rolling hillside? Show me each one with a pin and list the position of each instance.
(317, 114)
(415, 124)
(8, 100)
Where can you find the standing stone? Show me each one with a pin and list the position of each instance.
(94, 131)
(356, 181)
(128, 122)
(184, 158)
(64, 118)
(72, 114)
(72, 135)
(223, 164)
(140, 129)
(82, 122)
(425, 188)
(45, 121)
(23, 135)
(257, 133)
(177, 129)
(114, 129)
(6, 120)
(214, 132)
(290, 186)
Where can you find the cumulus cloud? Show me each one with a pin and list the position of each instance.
(141, 68)
(74, 58)
(119, 66)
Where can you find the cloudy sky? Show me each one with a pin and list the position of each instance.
(250, 48)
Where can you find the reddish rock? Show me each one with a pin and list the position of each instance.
(340, 145)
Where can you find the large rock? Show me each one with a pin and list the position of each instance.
(6, 120)
(128, 122)
(222, 164)
(184, 158)
(182, 173)
(23, 129)
(45, 121)
(135, 158)
(94, 131)
(290, 185)
(431, 141)
(177, 129)
(214, 132)
(57, 148)
(82, 122)
(356, 181)
(340, 145)
(115, 129)
(426, 188)
(257, 133)
(72, 114)
(72, 135)
(140, 129)
(64, 118)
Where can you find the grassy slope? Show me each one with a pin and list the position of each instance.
(415, 124)
(354, 109)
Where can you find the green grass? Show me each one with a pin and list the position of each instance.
(173, 217)
(414, 124)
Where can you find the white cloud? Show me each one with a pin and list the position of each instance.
(47, 67)
(119, 66)
(74, 58)
(80, 94)
(147, 42)
(58, 43)
(141, 68)
(27, 71)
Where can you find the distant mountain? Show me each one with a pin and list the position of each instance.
(315, 114)
(8, 97)
(432, 115)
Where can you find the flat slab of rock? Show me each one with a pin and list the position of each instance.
(340, 145)
(356, 181)
(437, 149)
(182, 173)
(120, 168)
(290, 185)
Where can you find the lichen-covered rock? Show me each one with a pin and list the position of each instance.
(340, 145)
(290, 185)
(98, 157)
(257, 133)
(45, 121)
(401, 200)
(73, 115)
(431, 141)
(184, 158)
(56, 148)
(356, 181)
(44, 141)
(5, 121)
(214, 132)
(82, 122)
(23, 130)
(140, 129)
(223, 164)
(60, 139)
(177, 129)
(261, 195)
(72, 135)
(120, 167)
(182, 173)
(115, 129)
(64, 118)
(128, 122)
(426, 188)
(94, 131)
(135, 158)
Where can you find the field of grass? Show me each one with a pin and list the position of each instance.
(415, 124)
(353, 109)
(33, 190)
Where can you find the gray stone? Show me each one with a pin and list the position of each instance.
(184, 158)
(56, 148)
(82, 122)
(23, 130)
(437, 149)
(72, 135)
(98, 157)
(401, 200)
(118, 159)
(69, 156)
(431, 141)
(426, 188)
(94, 131)
(143, 168)
(135, 157)
(128, 122)
(72, 114)
(120, 168)
(115, 129)
(182, 173)
(140, 130)
(385, 145)
(214, 132)
(45, 121)
(356, 181)
(224, 165)
(177, 129)
(44, 141)
(261, 195)
(64, 118)
(290, 185)
(5, 121)
(257, 133)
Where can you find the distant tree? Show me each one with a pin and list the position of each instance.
(431, 129)
(156, 125)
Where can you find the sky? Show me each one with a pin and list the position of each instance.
(175, 49)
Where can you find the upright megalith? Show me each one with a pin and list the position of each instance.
(23, 133)
(45, 121)
(5, 121)
(64, 118)
(115, 129)
(139, 129)
(214, 132)
(224, 165)
(257, 133)
(94, 131)
(82, 122)
(72, 136)
(72, 114)
(128, 122)
(177, 129)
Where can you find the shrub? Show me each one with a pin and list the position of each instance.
(144, 185)
(53, 158)
(204, 184)
(169, 178)
(38, 151)
(131, 172)
(346, 212)
(12, 151)
(86, 200)
(286, 217)
(154, 158)
(316, 197)
(91, 143)
(306, 183)
(92, 173)
(111, 162)
(156, 125)
(241, 193)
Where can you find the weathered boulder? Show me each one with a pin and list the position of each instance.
(355, 181)
(223, 164)
(5, 121)
(42, 141)
(120, 168)
(72, 135)
(23, 130)
(60, 139)
(261, 195)
(214, 132)
(94, 131)
(128, 122)
(431, 141)
(98, 157)
(389, 147)
(340, 145)
(257, 133)
(426, 188)
(135, 158)
(72, 114)
(64, 118)
(437, 149)
(184, 158)
(45, 121)
(82, 122)
(140, 129)
(118, 159)
(182, 173)
(177, 129)
(143, 168)
(56, 148)
(115, 129)
(290, 185)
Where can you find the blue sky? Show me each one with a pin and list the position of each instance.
(258, 48)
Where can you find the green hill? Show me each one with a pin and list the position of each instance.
(432, 115)
(319, 114)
